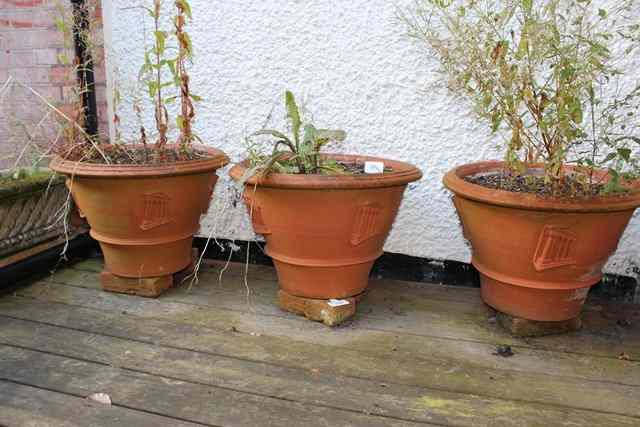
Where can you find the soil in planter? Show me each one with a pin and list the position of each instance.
(118, 155)
(571, 187)
(351, 169)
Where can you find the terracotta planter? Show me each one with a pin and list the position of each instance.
(144, 216)
(325, 232)
(537, 257)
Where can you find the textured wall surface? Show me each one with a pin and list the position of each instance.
(351, 64)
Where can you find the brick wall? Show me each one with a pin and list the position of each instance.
(32, 51)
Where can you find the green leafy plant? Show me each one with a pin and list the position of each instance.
(299, 152)
(540, 73)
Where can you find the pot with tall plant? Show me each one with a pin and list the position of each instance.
(143, 199)
(324, 217)
(543, 222)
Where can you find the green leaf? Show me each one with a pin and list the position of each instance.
(152, 87)
(309, 134)
(272, 132)
(294, 115)
(186, 7)
(602, 13)
(624, 153)
(151, 12)
(161, 38)
(496, 120)
(195, 97)
(189, 45)
(527, 5)
(180, 122)
(171, 63)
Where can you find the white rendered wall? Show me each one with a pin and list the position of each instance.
(351, 64)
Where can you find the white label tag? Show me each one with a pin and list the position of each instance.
(373, 167)
(338, 302)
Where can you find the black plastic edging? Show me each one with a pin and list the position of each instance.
(86, 78)
(43, 263)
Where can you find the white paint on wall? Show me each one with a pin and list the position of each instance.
(356, 71)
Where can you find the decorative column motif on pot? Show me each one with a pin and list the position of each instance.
(368, 223)
(156, 210)
(555, 248)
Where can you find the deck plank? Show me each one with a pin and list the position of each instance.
(172, 397)
(370, 335)
(256, 354)
(23, 405)
(454, 313)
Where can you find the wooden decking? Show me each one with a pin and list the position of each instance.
(416, 354)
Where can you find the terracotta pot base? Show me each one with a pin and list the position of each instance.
(555, 304)
(323, 282)
(150, 287)
(147, 261)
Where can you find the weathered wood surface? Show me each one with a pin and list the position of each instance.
(438, 313)
(418, 355)
(23, 405)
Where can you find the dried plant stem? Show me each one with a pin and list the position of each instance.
(74, 123)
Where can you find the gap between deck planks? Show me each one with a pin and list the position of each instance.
(112, 365)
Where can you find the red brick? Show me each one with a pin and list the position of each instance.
(46, 56)
(21, 58)
(30, 74)
(62, 74)
(26, 18)
(23, 3)
(69, 93)
(30, 39)
(50, 93)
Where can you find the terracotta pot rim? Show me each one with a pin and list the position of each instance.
(402, 174)
(454, 181)
(217, 160)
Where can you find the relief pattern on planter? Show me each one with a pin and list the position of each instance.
(156, 211)
(32, 219)
(368, 223)
(555, 248)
